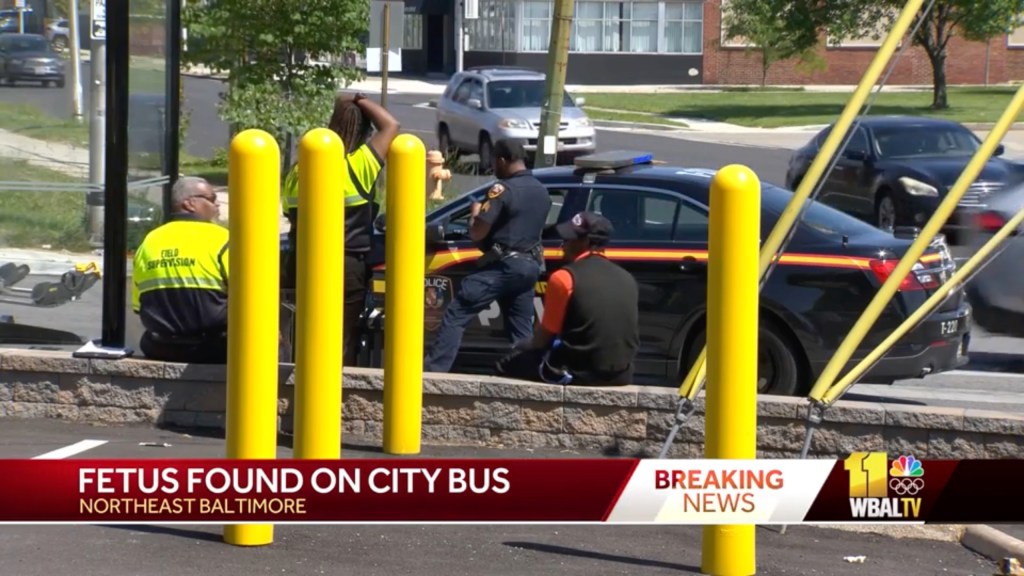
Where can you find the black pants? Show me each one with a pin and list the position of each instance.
(211, 349)
(357, 282)
(537, 365)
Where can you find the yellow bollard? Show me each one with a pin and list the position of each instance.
(254, 170)
(730, 425)
(829, 147)
(405, 250)
(319, 295)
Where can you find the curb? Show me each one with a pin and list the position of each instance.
(645, 125)
(991, 543)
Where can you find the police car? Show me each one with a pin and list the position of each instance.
(830, 271)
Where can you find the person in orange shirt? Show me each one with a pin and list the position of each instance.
(589, 334)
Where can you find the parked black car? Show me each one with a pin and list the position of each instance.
(29, 58)
(895, 171)
(831, 270)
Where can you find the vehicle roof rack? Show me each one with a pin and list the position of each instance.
(613, 159)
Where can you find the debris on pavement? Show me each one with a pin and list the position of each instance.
(855, 559)
(155, 444)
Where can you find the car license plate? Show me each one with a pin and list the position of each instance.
(39, 70)
(949, 327)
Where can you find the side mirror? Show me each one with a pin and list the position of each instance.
(857, 155)
(435, 234)
(1000, 150)
(379, 222)
(581, 101)
(475, 103)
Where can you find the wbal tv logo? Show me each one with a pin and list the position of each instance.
(881, 491)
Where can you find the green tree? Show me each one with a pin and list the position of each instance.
(267, 48)
(977, 20)
(779, 29)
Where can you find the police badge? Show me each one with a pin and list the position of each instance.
(437, 293)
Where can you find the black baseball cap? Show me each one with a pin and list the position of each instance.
(589, 225)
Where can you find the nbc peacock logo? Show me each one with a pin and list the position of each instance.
(906, 476)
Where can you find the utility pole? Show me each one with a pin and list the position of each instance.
(558, 61)
(97, 111)
(75, 44)
(460, 35)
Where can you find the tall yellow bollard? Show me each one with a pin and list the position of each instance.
(405, 251)
(254, 170)
(730, 425)
(319, 292)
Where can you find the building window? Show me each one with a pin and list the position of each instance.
(1015, 39)
(536, 25)
(640, 27)
(413, 39)
(684, 27)
(494, 30)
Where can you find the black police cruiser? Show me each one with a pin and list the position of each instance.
(829, 273)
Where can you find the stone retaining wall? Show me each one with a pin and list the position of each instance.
(631, 421)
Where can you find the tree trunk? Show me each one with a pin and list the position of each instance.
(940, 100)
(765, 64)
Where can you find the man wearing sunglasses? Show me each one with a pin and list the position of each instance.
(180, 280)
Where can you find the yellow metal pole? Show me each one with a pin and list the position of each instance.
(319, 291)
(730, 424)
(959, 277)
(254, 169)
(933, 227)
(403, 301)
(821, 161)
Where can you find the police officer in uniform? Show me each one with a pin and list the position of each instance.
(351, 121)
(507, 227)
(589, 334)
(180, 280)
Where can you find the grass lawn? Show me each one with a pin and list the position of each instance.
(633, 117)
(32, 219)
(28, 120)
(772, 109)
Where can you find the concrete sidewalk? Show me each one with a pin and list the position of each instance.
(442, 550)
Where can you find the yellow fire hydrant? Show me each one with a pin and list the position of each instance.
(437, 173)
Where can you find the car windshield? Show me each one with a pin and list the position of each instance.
(816, 216)
(933, 140)
(519, 94)
(27, 45)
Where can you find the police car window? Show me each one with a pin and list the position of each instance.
(557, 200)
(638, 215)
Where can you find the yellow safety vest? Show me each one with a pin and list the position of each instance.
(180, 276)
(363, 168)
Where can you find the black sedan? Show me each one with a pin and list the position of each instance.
(895, 170)
(831, 270)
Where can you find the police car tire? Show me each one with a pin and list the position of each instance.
(787, 371)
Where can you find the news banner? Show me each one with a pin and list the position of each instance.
(865, 487)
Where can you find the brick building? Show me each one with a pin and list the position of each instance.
(666, 42)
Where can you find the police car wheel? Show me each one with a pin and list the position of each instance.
(778, 372)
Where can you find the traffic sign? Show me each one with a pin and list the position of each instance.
(98, 20)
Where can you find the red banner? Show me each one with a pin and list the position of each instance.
(227, 491)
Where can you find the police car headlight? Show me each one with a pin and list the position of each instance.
(918, 188)
(514, 123)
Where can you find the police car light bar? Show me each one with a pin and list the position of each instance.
(613, 159)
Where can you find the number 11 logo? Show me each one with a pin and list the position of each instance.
(869, 474)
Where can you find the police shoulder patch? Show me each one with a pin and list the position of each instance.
(495, 191)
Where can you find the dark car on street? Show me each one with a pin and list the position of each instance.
(895, 171)
(29, 58)
(829, 273)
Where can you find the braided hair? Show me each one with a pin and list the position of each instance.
(349, 123)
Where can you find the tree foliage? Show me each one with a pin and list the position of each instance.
(267, 49)
(977, 20)
(778, 29)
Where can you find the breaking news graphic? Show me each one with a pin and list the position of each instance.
(865, 487)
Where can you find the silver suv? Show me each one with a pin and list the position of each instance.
(483, 105)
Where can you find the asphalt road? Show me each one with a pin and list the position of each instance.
(430, 550)
(994, 379)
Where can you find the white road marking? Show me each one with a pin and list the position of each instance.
(68, 451)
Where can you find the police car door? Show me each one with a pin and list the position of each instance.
(660, 237)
